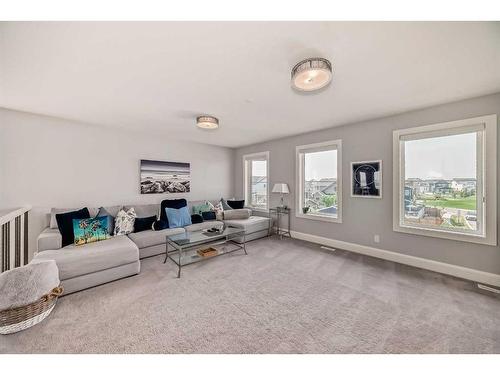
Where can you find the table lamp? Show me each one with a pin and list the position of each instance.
(282, 189)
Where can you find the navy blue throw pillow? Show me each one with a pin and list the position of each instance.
(65, 224)
(171, 203)
(143, 223)
(208, 215)
(160, 225)
(236, 204)
(196, 219)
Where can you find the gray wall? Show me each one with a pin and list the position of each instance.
(47, 162)
(363, 218)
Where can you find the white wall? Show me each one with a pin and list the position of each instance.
(48, 162)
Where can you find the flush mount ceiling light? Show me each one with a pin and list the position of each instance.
(311, 74)
(207, 122)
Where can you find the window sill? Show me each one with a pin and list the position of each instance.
(319, 217)
(436, 233)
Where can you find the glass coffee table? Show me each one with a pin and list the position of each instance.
(182, 249)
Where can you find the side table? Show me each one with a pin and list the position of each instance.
(279, 212)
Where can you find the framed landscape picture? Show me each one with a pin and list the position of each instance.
(366, 179)
(165, 177)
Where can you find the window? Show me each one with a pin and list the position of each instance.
(319, 181)
(445, 180)
(256, 169)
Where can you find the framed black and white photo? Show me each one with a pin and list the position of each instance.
(366, 177)
(165, 177)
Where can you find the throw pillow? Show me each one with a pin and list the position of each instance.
(65, 224)
(160, 225)
(199, 208)
(124, 223)
(144, 223)
(219, 211)
(90, 230)
(225, 206)
(111, 220)
(171, 203)
(242, 213)
(178, 218)
(208, 215)
(211, 207)
(196, 219)
(236, 204)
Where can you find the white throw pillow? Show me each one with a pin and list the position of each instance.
(124, 222)
(219, 211)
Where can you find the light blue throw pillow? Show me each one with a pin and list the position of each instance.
(178, 218)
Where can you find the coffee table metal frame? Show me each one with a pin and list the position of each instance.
(222, 239)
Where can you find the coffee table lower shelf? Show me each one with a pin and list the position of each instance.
(183, 256)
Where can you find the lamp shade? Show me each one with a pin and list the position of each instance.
(281, 188)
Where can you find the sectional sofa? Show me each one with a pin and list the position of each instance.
(85, 266)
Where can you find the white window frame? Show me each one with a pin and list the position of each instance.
(486, 184)
(299, 178)
(247, 179)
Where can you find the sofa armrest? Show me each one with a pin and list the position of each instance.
(49, 239)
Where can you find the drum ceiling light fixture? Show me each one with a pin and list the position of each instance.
(207, 122)
(311, 74)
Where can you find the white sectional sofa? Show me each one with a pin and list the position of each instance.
(88, 265)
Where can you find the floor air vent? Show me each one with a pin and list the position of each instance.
(327, 248)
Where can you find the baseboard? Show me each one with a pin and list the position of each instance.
(432, 265)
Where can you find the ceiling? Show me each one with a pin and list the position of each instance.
(156, 77)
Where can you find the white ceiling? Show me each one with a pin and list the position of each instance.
(158, 76)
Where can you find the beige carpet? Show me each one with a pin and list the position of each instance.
(284, 297)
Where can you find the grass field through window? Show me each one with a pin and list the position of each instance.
(467, 203)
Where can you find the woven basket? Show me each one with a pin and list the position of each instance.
(23, 317)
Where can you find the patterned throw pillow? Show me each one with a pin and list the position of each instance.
(211, 207)
(219, 211)
(90, 230)
(124, 222)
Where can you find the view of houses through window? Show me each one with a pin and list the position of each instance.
(258, 185)
(320, 183)
(440, 182)
(256, 180)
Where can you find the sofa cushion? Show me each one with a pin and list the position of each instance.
(204, 225)
(242, 213)
(196, 219)
(224, 204)
(171, 203)
(111, 219)
(199, 208)
(178, 218)
(65, 224)
(144, 223)
(149, 238)
(209, 215)
(124, 223)
(93, 211)
(91, 230)
(235, 205)
(74, 261)
(49, 239)
(160, 225)
(144, 210)
(251, 225)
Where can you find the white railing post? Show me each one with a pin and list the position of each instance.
(12, 243)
